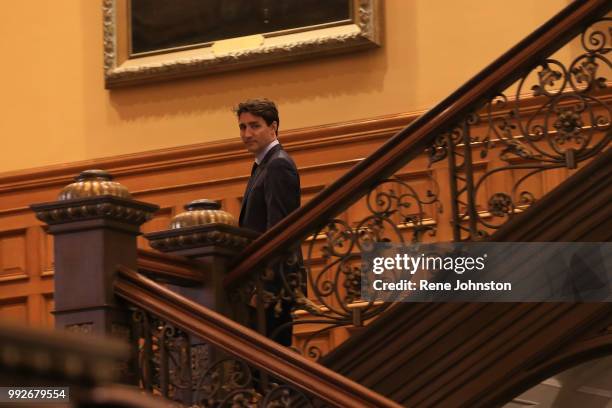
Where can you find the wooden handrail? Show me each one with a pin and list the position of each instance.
(168, 268)
(416, 137)
(281, 362)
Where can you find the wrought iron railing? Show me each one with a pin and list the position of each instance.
(192, 355)
(178, 366)
(568, 126)
(393, 211)
(564, 124)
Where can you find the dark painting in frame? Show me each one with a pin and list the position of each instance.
(181, 38)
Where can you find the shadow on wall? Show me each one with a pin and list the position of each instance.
(348, 74)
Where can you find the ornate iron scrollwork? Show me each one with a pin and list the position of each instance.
(396, 212)
(179, 367)
(570, 125)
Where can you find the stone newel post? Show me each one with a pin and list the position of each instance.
(94, 223)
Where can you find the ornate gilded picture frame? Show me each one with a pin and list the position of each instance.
(137, 51)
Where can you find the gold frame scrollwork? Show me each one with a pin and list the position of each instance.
(363, 31)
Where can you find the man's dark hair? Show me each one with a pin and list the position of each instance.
(264, 108)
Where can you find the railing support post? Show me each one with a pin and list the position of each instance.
(94, 223)
(207, 234)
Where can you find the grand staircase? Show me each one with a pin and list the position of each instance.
(187, 341)
(484, 354)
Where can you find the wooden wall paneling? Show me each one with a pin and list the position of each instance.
(14, 206)
(47, 318)
(47, 265)
(13, 257)
(227, 191)
(357, 212)
(173, 177)
(160, 222)
(338, 336)
(47, 268)
(36, 307)
(219, 170)
(14, 309)
(327, 171)
(205, 174)
(232, 205)
(552, 178)
(309, 191)
(38, 283)
(23, 280)
(24, 288)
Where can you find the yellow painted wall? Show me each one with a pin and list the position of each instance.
(54, 107)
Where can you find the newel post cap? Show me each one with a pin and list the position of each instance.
(202, 212)
(94, 183)
(94, 195)
(203, 228)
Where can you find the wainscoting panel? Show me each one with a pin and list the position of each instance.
(172, 178)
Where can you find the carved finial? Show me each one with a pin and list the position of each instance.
(202, 212)
(93, 183)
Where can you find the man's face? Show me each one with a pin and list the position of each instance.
(255, 132)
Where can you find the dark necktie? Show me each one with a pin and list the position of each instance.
(246, 191)
(252, 178)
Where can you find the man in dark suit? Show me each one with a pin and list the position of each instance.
(273, 191)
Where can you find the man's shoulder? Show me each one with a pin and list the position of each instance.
(280, 158)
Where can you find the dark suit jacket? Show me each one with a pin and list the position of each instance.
(273, 191)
